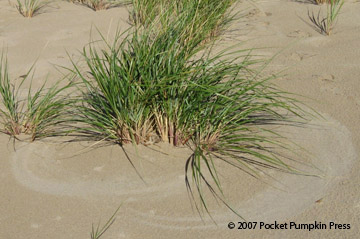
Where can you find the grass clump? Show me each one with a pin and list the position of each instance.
(151, 87)
(29, 8)
(325, 25)
(38, 114)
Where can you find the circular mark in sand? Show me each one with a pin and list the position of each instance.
(61, 170)
(164, 202)
(331, 151)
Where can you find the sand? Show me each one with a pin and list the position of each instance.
(58, 190)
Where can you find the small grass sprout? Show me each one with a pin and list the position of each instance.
(98, 232)
(325, 25)
(98, 5)
(29, 8)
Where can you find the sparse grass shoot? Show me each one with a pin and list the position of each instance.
(99, 232)
(325, 25)
(29, 8)
(98, 5)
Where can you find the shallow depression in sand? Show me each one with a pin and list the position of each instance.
(161, 199)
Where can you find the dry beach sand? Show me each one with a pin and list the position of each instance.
(52, 190)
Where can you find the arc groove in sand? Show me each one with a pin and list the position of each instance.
(334, 153)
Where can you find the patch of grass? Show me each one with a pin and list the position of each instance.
(9, 111)
(159, 82)
(48, 112)
(150, 86)
(151, 56)
(209, 17)
(325, 25)
(29, 8)
(39, 114)
(113, 103)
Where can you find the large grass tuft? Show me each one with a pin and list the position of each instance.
(150, 86)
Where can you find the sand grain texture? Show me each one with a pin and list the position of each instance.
(51, 190)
